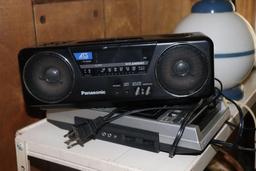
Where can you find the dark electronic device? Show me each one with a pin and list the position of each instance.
(148, 70)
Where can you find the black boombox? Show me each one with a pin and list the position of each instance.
(163, 69)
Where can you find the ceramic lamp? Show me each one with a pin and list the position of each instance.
(233, 39)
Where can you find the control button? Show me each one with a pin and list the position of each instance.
(84, 71)
(142, 68)
(175, 113)
(127, 68)
(145, 58)
(126, 92)
(126, 84)
(115, 69)
(115, 136)
(147, 84)
(109, 70)
(116, 93)
(121, 69)
(137, 91)
(142, 91)
(102, 70)
(103, 134)
(138, 83)
(117, 85)
(148, 91)
(87, 71)
(133, 68)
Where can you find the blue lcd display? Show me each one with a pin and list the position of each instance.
(83, 56)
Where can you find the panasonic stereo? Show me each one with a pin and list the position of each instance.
(163, 69)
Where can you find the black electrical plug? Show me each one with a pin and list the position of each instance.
(83, 131)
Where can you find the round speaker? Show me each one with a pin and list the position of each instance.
(48, 77)
(182, 70)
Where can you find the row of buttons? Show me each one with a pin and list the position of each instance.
(142, 91)
(138, 91)
(115, 70)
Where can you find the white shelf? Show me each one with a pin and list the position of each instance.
(45, 141)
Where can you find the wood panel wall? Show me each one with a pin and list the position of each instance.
(247, 8)
(25, 23)
(122, 18)
(16, 31)
(67, 20)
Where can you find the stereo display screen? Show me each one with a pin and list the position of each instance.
(83, 56)
(120, 60)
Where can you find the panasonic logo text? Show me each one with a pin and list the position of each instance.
(92, 93)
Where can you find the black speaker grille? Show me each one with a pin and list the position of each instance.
(48, 77)
(182, 70)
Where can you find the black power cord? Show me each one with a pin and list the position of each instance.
(240, 113)
(241, 122)
(202, 105)
(236, 147)
(235, 126)
(181, 130)
(230, 146)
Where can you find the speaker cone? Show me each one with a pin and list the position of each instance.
(182, 70)
(48, 77)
